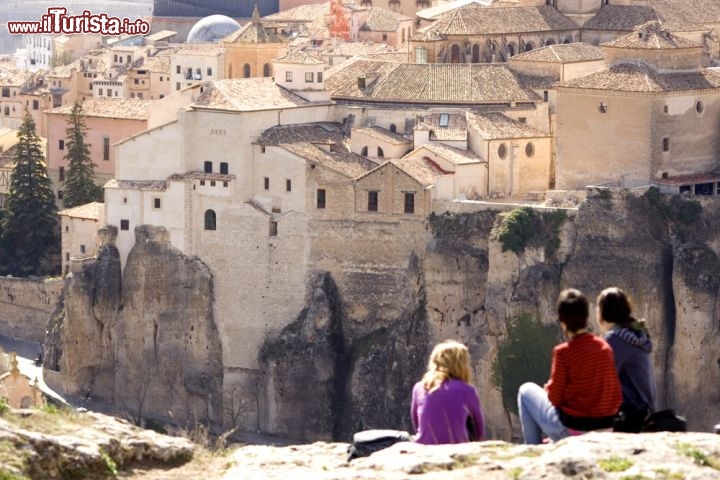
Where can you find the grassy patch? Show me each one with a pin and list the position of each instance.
(665, 474)
(4, 407)
(6, 475)
(11, 462)
(698, 456)
(615, 464)
(112, 469)
(62, 421)
(515, 473)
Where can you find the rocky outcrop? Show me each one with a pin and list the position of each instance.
(40, 445)
(147, 343)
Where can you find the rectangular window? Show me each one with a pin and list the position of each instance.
(372, 201)
(420, 55)
(60, 194)
(177, 86)
(273, 229)
(5, 91)
(288, 185)
(61, 144)
(321, 198)
(36, 105)
(100, 91)
(178, 69)
(82, 248)
(288, 76)
(267, 183)
(212, 183)
(129, 59)
(61, 174)
(137, 81)
(444, 119)
(106, 148)
(309, 77)
(124, 224)
(208, 167)
(156, 203)
(666, 144)
(545, 96)
(522, 120)
(224, 168)
(409, 202)
(225, 184)
(209, 71)
(202, 183)
(319, 77)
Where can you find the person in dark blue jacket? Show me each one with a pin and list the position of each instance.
(631, 345)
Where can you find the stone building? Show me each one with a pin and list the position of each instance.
(646, 116)
(79, 226)
(17, 389)
(249, 51)
(108, 120)
(150, 78)
(194, 63)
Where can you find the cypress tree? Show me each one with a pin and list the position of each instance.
(80, 187)
(30, 221)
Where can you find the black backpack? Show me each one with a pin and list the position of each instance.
(369, 441)
(664, 421)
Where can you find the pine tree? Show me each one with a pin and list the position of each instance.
(30, 221)
(80, 187)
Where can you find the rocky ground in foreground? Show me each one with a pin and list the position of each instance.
(37, 444)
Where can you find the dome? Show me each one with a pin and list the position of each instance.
(212, 29)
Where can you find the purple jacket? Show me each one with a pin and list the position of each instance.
(442, 416)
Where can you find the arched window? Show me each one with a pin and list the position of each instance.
(455, 53)
(528, 46)
(549, 41)
(266, 70)
(364, 151)
(246, 70)
(393, 128)
(381, 154)
(511, 49)
(210, 220)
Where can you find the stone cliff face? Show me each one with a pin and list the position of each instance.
(147, 342)
(379, 296)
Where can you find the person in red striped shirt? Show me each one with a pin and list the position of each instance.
(583, 392)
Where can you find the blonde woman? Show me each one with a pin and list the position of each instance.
(445, 405)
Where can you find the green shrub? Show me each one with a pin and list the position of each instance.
(4, 407)
(673, 208)
(525, 226)
(524, 355)
(615, 464)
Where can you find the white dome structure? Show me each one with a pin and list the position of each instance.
(212, 29)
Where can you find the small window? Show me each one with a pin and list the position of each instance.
(666, 109)
(266, 183)
(207, 168)
(372, 201)
(699, 107)
(125, 200)
(209, 71)
(321, 198)
(318, 77)
(409, 202)
(60, 194)
(266, 70)
(364, 151)
(288, 76)
(124, 224)
(36, 105)
(82, 248)
(177, 86)
(246, 70)
(67, 228)
(224, 168)
(178, 69)
(156, 203)
(202, 183)
(212, 183)
(529, 149)
(309, 77)
(67, 256)
(603, 108)
(666, 144)
(61, 174)
(384, 37)
(210, 220)
(100, 91)
(273, 229)
(106, 148)
(380, 152)
(137, 81)
(522, 119)
(502, 150)
(288, 185)
(444, 120)
(393, 128)
(225, 184)
(545, 96)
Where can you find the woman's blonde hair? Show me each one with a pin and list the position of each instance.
(449, 359)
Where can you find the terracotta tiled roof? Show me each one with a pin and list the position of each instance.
(247, 94)
(429, 83)
(340, 161)
(537, 82)
(495, 125)
(475, 19)
(562, 53)
(420, 169)
(253, 33)
(698, 12)
(201, 49)
(156, 64)
(382, 134)
(382, 20)
(298, 57)
(622, 18)
(13, 77)
(456, 129)
(89, 210)
(125, 108)
(454, 155)
(438, 10)
(323, 132)
(302, 13)
(690, 179)
(641, 78)
(652, 36)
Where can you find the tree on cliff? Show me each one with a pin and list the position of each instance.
(30, 222)
(80, 187)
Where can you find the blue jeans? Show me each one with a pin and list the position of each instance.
(538, 415)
